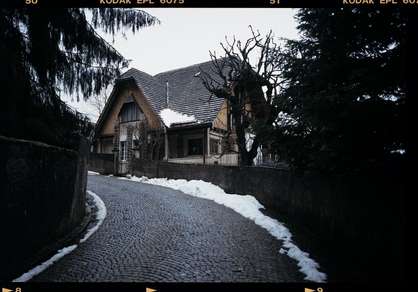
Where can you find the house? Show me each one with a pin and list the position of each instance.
(169, 116)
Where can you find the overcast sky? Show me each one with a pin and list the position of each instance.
(186, 35)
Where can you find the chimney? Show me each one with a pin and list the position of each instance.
(167, 98)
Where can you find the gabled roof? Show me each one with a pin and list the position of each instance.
(153, 90)
(186, 92)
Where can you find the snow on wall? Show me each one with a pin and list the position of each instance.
(285, 119)
(249, 139)
(170, 117)
(258, 159)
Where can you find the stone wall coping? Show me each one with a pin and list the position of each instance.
(37, 143)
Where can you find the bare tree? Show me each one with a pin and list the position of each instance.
(147, 141)
(250, 87)
(98, 101)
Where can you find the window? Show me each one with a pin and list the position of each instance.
(214, 146)
(195, 146)
(122, 152)
(130, 112)
(106, 145)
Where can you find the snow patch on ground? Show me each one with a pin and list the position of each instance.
(100, 216)
(170, 117)
(249, 207)
(42, 267)
(92, 173)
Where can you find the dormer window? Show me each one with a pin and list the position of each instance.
(130, 112)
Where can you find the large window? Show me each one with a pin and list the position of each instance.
(130, 112)
(195, 146)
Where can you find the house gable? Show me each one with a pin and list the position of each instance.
(122, 94)
(200, 138)
(221, 120)
(180, 90)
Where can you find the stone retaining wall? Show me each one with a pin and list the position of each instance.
(42, 198)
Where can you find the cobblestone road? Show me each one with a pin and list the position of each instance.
(153, 233)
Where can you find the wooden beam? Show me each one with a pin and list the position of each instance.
(208, 141)
(166, 150)
(204, 145)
